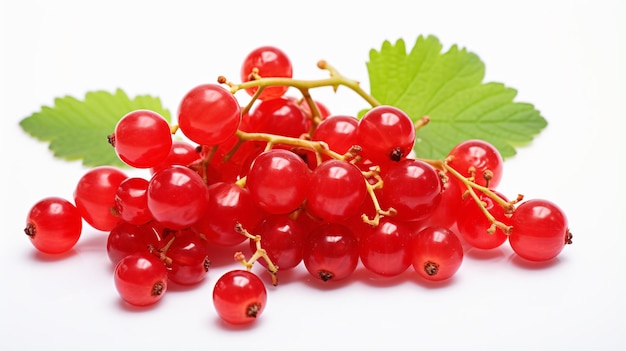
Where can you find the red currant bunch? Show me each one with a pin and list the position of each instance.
(296, 185)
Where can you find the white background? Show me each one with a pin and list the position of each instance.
(567, 58)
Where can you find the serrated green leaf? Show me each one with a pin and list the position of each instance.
(448, 87)
(78, 129)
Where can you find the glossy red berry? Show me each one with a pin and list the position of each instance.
(126, 239)
(269, 61)
(131, 203)
(336, 191)
(142, 138)
(140, 279)
(278, 181)
(95, 196)
(473, 225)
(540, 230)
(282, 238)
(384, 250)
(209, 114)
(53, 225)
(239, 297)
(188, 259)
(480, 156)
(413, 188)
(177, 197)
(436, 252)
(331, 252)
(386, 134)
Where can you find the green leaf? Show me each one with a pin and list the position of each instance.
(78, 130)
(448, 87)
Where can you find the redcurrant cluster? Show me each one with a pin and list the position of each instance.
(299, 184)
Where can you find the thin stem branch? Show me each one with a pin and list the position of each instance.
(471, 190)
(375, 172)
(273, 139)
(258, 253)
(335, 80)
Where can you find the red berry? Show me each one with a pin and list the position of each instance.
(177, 197)
(282, 238)
(140, 279)
(125, 239)
(53, 225)
(228, 205)
(437, 253)
(336, 191)
(386, 133)
(473, 225)
(278, 181)
(413, 188)
(239, 297)
(540, 230)
(131, 202)
(182, 153)
(188, 254)
(142, 138)
(383, 249)
(270, 62)
(331, 252)
(95, 196)
(480, 156)
(209, 114)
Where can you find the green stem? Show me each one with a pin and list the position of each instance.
(335, 80)
(273, 139)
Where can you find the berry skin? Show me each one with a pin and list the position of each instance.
(278, 181)
(140, 279)
(189, 263)
(142, 138)
(480, 155)
(446, 213)
(540, 230)
(182, 153)
(131, 202)
(383, 249)
(281, 116)
(437, 253)
(338, 131)
(473, 224)
(209, 114)
(331, 252)
(177, 197)
(95, 196)
(53, 225)
(228, 205)
(336, 191)
(239, 297)
(323, 110)
(386, 134)
(270, 61)
(413, 188)
(126, 239)
(282, 238)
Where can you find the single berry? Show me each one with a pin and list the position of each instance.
(53, 225)
(209, 114)
(239, 297)
(140, 279)
(95, 196)
(436, 252)
(266, 62)
(540, 230)
(479, 158)
(142, 138)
